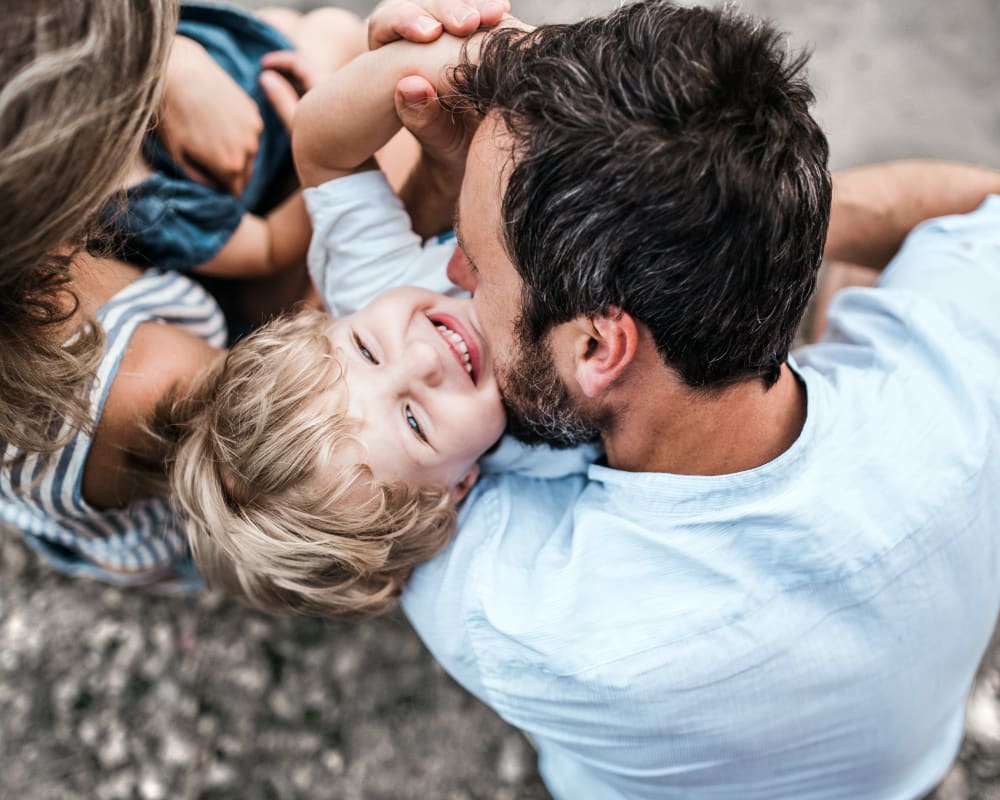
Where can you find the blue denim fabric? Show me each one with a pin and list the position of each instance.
(173, 222)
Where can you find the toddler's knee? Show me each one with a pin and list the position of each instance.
(284, 20)
(337, 22)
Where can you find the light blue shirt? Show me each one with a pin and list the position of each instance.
(806, 629)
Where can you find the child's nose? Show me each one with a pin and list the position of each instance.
(425, 363)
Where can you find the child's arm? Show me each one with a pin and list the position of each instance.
(264, 246)
(363, 240)
(342, 122)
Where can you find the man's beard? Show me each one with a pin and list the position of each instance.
(538, 404)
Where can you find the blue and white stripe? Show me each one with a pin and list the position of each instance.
(142, 542)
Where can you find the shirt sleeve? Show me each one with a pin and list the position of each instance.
(363, 244)
(954, 263)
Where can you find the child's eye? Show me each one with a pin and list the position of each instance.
(365, 352)
(413, 423)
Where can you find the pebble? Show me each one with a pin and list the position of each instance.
(177, 750)
(152, 789)
(114, 751)
(120, 786)
(220, 774)
(333, 762)
(982, 721)
(513, 763)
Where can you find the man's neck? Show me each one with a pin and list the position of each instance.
(667, 427)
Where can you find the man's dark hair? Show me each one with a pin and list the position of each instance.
(664, 162)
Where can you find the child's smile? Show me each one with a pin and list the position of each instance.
(419, 378)
(458, 340)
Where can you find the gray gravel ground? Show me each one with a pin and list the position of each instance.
(123, 694)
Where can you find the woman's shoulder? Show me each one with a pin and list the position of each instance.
(159, 358)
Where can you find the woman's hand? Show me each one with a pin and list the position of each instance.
(207, 123)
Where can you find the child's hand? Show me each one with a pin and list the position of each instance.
(286, 77)
(426, 20)
(207, 123)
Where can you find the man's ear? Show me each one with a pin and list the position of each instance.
(465, 483)
(604, 351)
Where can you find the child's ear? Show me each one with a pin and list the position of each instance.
(605, 349)
(465, 483)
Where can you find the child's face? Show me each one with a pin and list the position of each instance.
(419, 377)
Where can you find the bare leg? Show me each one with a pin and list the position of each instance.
(327, 38)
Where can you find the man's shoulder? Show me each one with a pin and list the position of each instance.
(948, 271)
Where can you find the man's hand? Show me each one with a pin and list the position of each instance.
(431, 191)
(426, 20)
(207, 123)
(444, 138)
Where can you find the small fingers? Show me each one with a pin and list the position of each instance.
(293, 67)
(463, 17)
(401, 19)
(424, 21)
(491, 12)
(282, 95)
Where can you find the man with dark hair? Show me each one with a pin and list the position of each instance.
(782, 579)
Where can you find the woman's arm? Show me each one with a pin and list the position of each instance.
(159, 357)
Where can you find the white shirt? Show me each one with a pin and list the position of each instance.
(363, 244)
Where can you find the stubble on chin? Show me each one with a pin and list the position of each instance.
(539, 406)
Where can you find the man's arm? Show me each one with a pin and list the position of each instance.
(875, 207)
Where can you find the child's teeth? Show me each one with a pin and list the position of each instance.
(458, 341)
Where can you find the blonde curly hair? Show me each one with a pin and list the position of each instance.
(271, 516)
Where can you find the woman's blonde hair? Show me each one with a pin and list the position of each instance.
(268, 518)
(79, 81)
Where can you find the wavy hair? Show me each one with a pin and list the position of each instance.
(270, 516)
(664, 162)
(79, 82)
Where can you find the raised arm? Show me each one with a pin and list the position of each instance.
(342, 122)
(875, 207)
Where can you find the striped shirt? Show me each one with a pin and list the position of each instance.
(142, 542)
